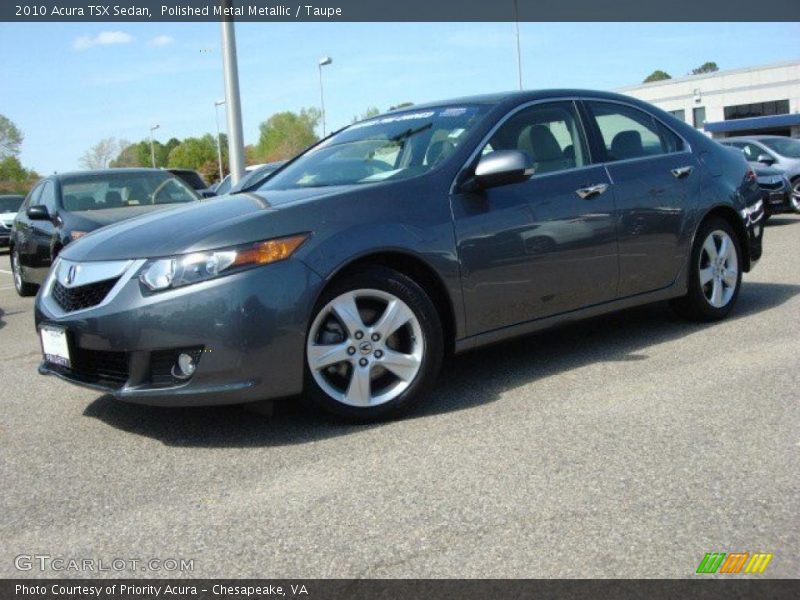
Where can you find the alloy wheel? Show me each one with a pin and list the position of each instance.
(365, 347)
(718, 268)
(795, 199)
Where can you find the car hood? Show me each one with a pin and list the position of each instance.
(210, 224)
(89, 220)
(764, 171)
(7, 217)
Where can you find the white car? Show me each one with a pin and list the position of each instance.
(9, 206)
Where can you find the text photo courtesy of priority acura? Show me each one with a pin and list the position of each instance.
(358, 265)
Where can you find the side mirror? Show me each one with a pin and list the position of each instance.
(503, 167)
(38, 213)
(765, 159)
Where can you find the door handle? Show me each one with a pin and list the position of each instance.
(681, 172)
(592, 190)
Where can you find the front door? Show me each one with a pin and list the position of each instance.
(538, 248)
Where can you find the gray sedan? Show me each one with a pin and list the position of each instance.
(357, 267)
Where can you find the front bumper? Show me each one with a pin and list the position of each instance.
(754, 217)
(247, 328)
(777, 201)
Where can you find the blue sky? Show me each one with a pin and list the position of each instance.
(69, 85)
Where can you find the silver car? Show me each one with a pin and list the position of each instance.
(775, 151)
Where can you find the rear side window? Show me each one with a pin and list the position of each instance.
(548, 133)
(629, 133)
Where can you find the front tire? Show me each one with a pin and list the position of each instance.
(374, 347)
(715, 273)
(22, 287)
(795, 195)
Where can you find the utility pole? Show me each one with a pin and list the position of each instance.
(519, 49)
(217, 104)
(152, 147)
(232, 100)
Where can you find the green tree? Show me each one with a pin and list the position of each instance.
(367, 114)
(198, 153)
(285, 134)
(14, 178)
(10, 137)
(707, 67)
(657, 75)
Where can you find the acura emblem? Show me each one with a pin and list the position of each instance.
(71, 272)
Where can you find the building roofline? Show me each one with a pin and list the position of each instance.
(704, 76)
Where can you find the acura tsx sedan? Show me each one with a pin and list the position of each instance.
(435, 229)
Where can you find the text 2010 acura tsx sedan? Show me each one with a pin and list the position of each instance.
(439, 228)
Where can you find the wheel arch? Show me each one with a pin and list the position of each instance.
(730, 215)
(416, 268)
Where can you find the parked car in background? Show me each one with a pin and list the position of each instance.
(355, 268)
(773, 151)
(252, 173)
(195, 181)
(776, 190)
(62, 208)
(256, 176)
(9, 206)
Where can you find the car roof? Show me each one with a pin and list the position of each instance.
(744, 138)
(70, 174)
(517, 98)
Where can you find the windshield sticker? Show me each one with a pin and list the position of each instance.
(394, 119)
(452, 112)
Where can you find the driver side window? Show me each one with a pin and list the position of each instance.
(548, 133)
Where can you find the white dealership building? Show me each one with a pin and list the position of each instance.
(750, 101)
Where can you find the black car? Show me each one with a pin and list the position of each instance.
(195, 181)
(9, 206)
(356, 267)
(62, 208)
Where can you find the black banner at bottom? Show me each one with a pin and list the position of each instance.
(379, 589)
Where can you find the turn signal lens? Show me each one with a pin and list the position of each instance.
(263, 253)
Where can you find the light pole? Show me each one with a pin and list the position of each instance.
(217, 104)
(519, 50)
(233, 104)
(152, 148)
(326, 60)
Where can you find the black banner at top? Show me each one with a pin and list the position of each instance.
(393, 10)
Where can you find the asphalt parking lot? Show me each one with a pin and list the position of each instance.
(626, 446)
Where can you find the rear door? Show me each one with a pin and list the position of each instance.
(537, 248)
(656, 182)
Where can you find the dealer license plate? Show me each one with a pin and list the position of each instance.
(776, 198)
(54, 345)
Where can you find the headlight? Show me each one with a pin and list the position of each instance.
(164, 273)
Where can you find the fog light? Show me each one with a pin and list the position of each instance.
(185, 367)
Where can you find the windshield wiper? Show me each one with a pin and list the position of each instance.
(410, 132)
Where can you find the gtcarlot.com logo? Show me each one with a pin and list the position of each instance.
(46, 562)
(734, 562)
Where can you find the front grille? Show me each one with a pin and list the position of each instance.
(83, 296)
(105, 368)
(162, 361)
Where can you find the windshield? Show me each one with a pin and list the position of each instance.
(119, 190)
(254, 176)
(395, 146)
(784, 146)
(190, 177)
(223, 186)
(10, 204)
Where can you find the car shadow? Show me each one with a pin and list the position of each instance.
(779, 221)
(472, 379)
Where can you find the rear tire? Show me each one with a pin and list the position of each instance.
(374, 346)
(715, 273)
(22, 287)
